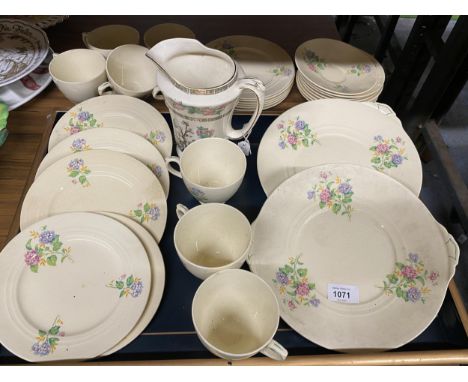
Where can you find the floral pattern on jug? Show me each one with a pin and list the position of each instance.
(294, 286)
(81, 120)
(314, 62)
(387, 153)
(79, 144)
(145, 212)
(78, 171)
(295, 134)
(156, 137)
(183, 133)
(203, 111)
(46, 341)
(128, 286)
(45, 248)
(409, 280)
(335, 194)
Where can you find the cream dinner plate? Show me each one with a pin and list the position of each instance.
(356, 260)
(259, 58)
(119, 112)
(95, 181)
(72, 286)
(337, 131)
(117, 140)
(157, 279)
(338, 67)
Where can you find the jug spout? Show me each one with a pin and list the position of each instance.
(190, 64)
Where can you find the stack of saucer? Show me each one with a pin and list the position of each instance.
(262, 59)
(333, 69)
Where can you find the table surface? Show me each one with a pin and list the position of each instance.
(27, 124)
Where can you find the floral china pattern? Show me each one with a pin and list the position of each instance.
(314, 62)
(186, 134)
(46, 341)
(128, 286)
(45, 248)
(81, 120)
(360, 69)
(335, 194)
(387, 153)
(205, 111)
(295, 134)
(78, 171)
(199, 194)
(409, 280)
(79, 144)
(156, 170)
(145, 212)
(204, 132)
(282, 71)
(156, 137)
(294, 286)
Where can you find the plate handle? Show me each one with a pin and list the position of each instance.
(275, 351)
(453, 250)
(181, 210)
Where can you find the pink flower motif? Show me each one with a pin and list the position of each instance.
(280, 126)
(323, 175)
(398, 139)
(292, 139)
(312, 67)
(325, 195)
(31, 258)
(434, 276)
(302, 289)
(74, 130)
(62, 334)
(291, 305)
(382, 148)
(409, 272)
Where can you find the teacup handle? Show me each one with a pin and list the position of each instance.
(106, 87)
(170, 168)
(156, 95)
(84, 37)
(257, 87)
(181, 210)
(275, 351)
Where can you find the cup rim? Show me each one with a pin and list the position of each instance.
(221, 267)
(55, 78)
(236, 355)
(244, 163)
(163, 26)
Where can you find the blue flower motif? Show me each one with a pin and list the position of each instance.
(345, 188)
(282, 278)
(397, 159)
(75, 164)
(282, 145)
(137, 288)
(154, 213)
(310, 195)
(300, 125)
(41, 349)
(315, 302)
(79, 143)
(83, 116)
(378, 138)
(413, 294)
(47, 237)
(413, 257)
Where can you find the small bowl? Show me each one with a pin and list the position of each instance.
(108, 37)
(211, 237)
(165, 31)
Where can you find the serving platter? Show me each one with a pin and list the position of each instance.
(59, 282)
(358, 230)
(119, 112)
(117, 140)
(313, 133)
(25, 89)
(94, 181)
(23, 47)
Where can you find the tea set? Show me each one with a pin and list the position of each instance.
(109, 159)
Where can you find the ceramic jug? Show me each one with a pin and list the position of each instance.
(201, 87)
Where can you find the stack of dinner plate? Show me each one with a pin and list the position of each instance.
(333, 69)
(24, 61)
(262, 59)
(85, 275)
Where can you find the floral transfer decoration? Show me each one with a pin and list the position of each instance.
(387, 153)
(335, 194)
(79, 144)
(204, 132)
(156, 170)
(46, 341)
(199, 194)
(409, 280)
(295, 134)
(44, 248)
(145, 213)
(156, 137)
(78, 171)
(314, 62)
(282, 71)
(360, 69)
(81, 120)
(205, 111)
(128, 286)
(294, 286)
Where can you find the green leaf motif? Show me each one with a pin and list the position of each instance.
(336, 208)
(119, 284)
(288, 269)
(122, 293)
(138, 213)
(52, 260)
(82, 179)
(302, 272)
(54, 330)
(42, 333)
(53, 341)
(73, 173)
(146, 207)
(34, 268)
(130, 280)
(28, 245)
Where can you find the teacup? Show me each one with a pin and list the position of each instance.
(165, 31)
(211, 168)
(211, 237)
(130, 72)
(78, 73)
(236, 315)
(108, 37)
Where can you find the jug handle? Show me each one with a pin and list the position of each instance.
(257, 87)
